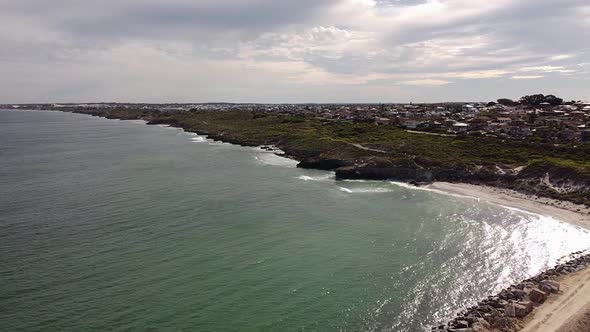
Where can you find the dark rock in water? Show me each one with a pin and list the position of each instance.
(227, 138)
(374, 173)
(323, 164)
(384, 173)
(420, 183)
(201, 132)
(165, 121)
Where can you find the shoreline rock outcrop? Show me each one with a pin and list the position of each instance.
(356, 162)
(322, 164)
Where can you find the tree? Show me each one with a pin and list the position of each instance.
(533, 100)
(554, 101)
(506, 102)
(490, 104)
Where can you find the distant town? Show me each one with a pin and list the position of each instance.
(536, 117)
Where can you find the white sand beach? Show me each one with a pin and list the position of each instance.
(564, 211)
(568, 311)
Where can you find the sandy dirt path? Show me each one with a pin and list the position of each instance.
(567, 311)
(366, 148)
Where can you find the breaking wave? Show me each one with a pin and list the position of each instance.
(325, 177)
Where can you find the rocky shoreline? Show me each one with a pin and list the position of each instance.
(506, 310)
(358, 162)
(420, 172)
(413, 172)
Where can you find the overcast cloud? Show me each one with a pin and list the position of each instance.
(292, 50)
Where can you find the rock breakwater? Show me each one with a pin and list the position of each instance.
(506, 310)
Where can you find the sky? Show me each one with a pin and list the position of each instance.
(292, 51)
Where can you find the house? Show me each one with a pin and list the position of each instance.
(577, 114)
(382, 121)
(436, 125)
(545, 105)
(495, 127)
(479, 123)
(410, 123)
(460, 127)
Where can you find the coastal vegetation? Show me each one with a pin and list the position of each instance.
(366, 151)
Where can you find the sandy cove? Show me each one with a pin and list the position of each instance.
(569, 309)
(571, 213)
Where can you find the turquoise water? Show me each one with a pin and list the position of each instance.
(110, 225)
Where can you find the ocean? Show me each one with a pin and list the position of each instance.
(109, 225)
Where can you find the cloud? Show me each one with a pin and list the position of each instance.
(479, 74)
(561, 57)
(548, 69)
(526, 77)
(289, 50)
(426, 82)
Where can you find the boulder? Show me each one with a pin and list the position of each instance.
(528, 305)
(520, 310)
(510, 310)
(484, 308)
(323, 164)
(520, 294)
(484, 323)
(462, 324)
(553, 285)
(478, 327)
(545, 288)
(538, 296)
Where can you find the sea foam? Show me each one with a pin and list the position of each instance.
(199, 139)
(324, 177)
